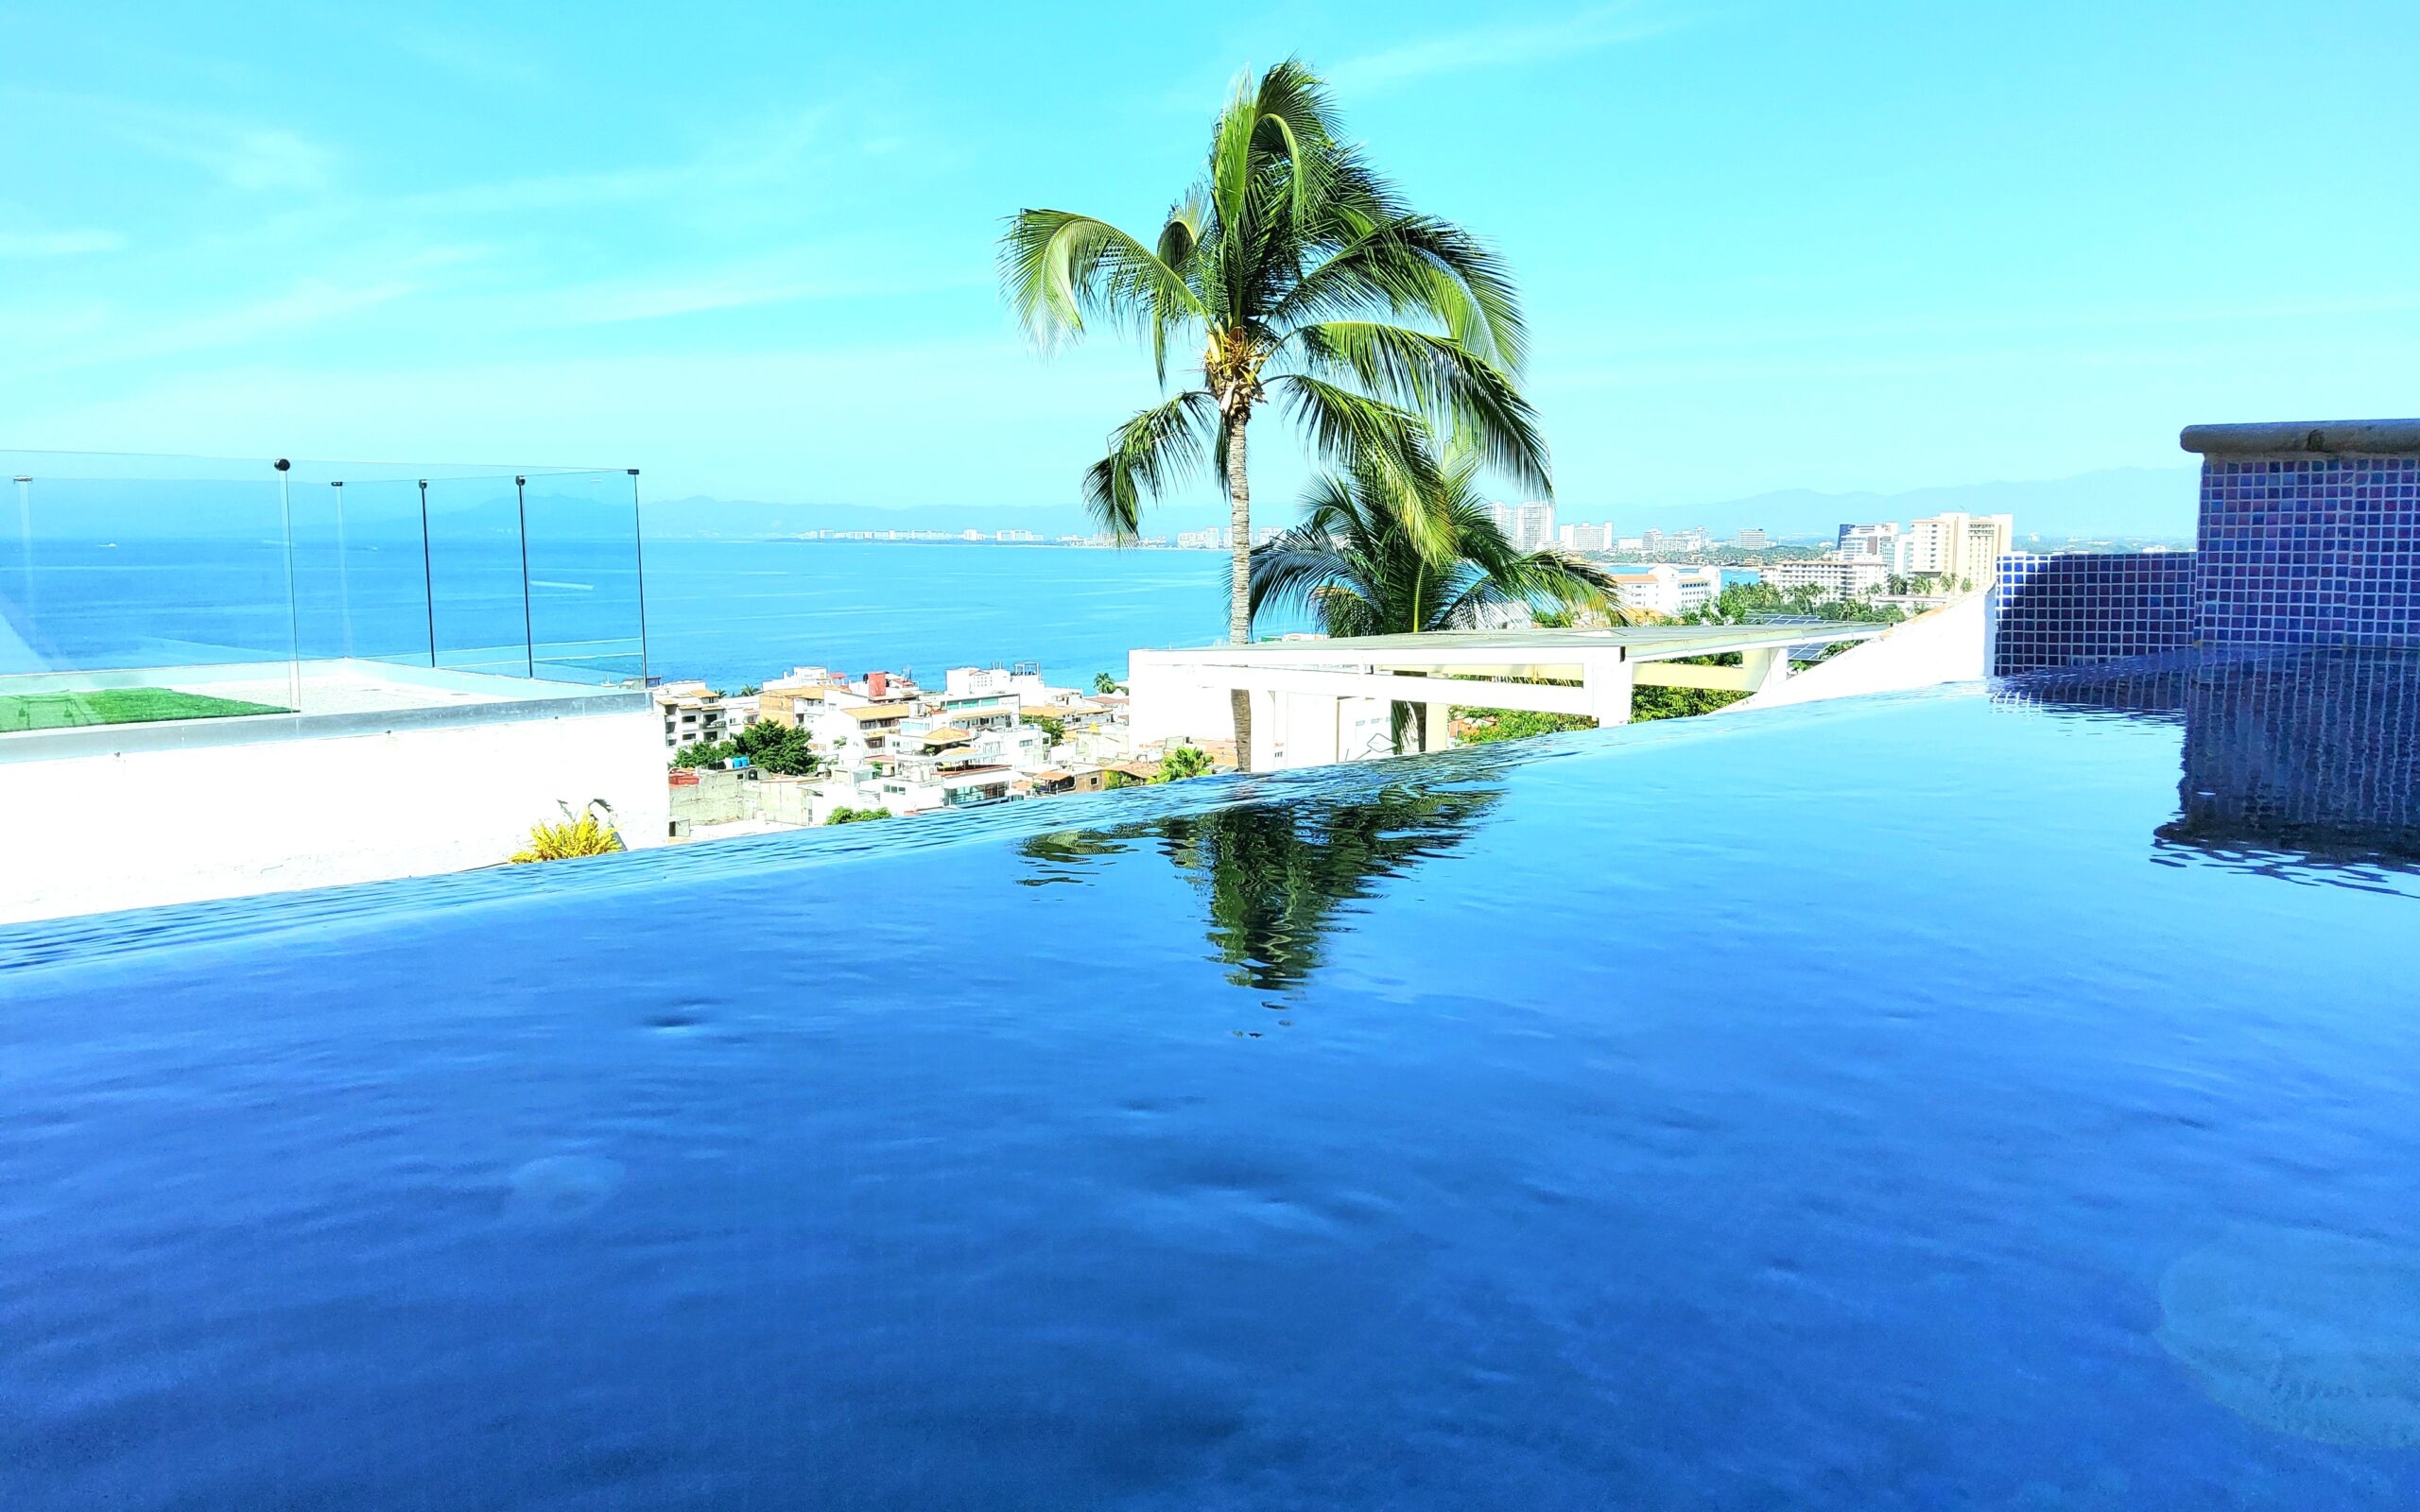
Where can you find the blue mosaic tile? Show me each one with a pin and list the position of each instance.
(2305, 550)
(2080, 610)
(2309, 551)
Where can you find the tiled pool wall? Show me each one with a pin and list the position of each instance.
(2309, 551)
(2310, 537)
(2075, 608)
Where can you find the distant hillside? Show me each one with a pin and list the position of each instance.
(2146, 501)
(2140, 501)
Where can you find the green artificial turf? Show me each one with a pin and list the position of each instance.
(117, 705)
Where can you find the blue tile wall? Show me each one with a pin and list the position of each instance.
(2309, 551)
(2076, 610)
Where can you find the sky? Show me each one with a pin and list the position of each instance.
(747, 250)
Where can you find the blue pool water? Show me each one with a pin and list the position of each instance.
(1979, 1100)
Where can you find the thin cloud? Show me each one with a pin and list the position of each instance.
(58, 243)
(765, 156)
(239, 153)
(766, 281)
(472, 58)
(1499, 47)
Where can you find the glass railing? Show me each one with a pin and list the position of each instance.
(139, 589)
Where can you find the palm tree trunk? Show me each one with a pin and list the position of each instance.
(1239, 591)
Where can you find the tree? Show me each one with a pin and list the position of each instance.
(845, 814)
(1747, 603)
(1104, 682)
(1357, 562)
(1181, 761)
(1054, 730)
(1489, 725)
(1308, 282)
(785, 751)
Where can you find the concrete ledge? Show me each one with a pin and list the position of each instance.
(2390, 438)
(263, 730)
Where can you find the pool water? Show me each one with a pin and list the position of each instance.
(1998, 1098)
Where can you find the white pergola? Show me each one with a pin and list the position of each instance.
(1302, 689)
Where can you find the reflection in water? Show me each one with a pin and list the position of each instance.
(1275, 876)
(2312, 755)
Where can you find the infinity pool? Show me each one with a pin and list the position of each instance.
(2004, 1098)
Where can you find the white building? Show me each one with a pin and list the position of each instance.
(1960, 548)
(854, 732)
(1530, 526)
(1697, 538)
(1877, 542)
(1668, 589)
(1837, 576)
(695, 714)
(1586, 538)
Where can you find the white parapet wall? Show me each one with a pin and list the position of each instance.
(182, 817)
(1166, 701)
(1946, 645)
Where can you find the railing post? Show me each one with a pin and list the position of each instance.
(1608, 677)
(344, 569)
(427, 576)
(638, 561)
(293, 607)
(26, 546)
(528, 633)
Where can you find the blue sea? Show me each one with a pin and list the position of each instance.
(733, 612)
(729, 612)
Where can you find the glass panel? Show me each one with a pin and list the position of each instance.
(481, 612)
(361, 574)
(584, 578)
(137, 589)
(140, 588)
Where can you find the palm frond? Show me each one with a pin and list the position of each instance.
(1179, 238)
(1157, 448)
(1368, 438)
(1418, 267)
(1058, 268)
(1455, 389)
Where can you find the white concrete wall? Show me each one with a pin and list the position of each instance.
(87, 834)
(1289, 729)
(1941, 646)
(1166, 701)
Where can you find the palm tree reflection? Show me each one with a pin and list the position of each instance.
(1277, 879)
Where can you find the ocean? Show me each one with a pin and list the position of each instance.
(733, 612)
(729, 612)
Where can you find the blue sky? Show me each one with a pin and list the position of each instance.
(1836, 246)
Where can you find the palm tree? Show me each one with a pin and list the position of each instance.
(1305, 281)
(1356, 563)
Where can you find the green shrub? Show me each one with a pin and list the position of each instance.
(586, 835)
